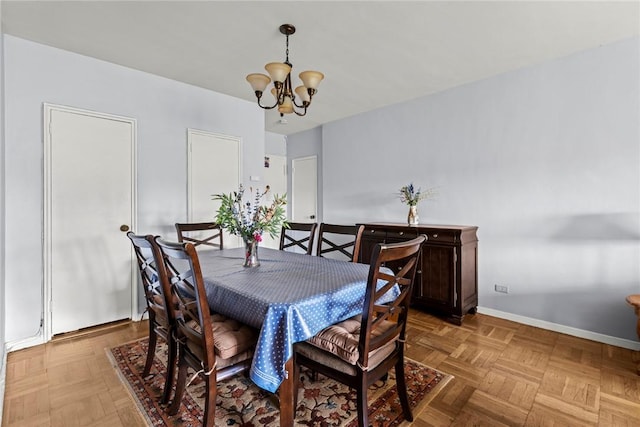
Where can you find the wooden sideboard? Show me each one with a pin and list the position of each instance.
(446, 281)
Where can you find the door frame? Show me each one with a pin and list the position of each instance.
(47, 109)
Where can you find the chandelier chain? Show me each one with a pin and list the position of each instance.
(287, 51)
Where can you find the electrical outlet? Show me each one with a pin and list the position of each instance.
(502, 289)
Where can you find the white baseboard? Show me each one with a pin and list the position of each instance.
(581, 333)
(24, 343)
(40, 339)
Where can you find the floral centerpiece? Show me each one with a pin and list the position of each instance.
(411, 196)
(250, 220)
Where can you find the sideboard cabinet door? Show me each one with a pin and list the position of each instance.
(437, 274)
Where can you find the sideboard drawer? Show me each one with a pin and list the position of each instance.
(400, 235)
(373, 232)
(442, 236)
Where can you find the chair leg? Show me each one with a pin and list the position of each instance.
(401, 385)
(363, 405)
(171, 369)
(638, 332)
(634, 301)
(153, 339)
(209, 417)
(180, 386)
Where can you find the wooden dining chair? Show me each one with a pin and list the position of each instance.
(213, 345)
(158, 297)
(207, 234)
(298, 235)
(339, 241)
(361, 350)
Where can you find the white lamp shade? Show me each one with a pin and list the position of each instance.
(287, 106)
(311, 79)
(278, 71)
(258, 81)
(301, 91)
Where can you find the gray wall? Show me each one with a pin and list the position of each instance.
(544, 160)
(164, 109)
(275, 144)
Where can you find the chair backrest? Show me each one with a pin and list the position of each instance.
(339, 241)
(200, 233)
(156, 292)
(382, 323)
(298, 235)
(181, 268)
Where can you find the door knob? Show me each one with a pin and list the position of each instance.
(124, 228)
(312, 217)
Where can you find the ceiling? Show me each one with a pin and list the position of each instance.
(372, 53)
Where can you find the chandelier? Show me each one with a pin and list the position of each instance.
(280, 73)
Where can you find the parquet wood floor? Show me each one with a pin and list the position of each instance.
(509, 374)
(506, 374)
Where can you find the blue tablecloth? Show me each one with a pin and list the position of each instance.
(290, 297)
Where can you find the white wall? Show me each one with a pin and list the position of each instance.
(3, 323)
(544, 160)
(164, 108)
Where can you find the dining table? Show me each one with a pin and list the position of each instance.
(289, 298)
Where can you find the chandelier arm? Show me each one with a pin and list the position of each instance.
(267, 107)
(280, 91)
(305, 104)
(300, 114)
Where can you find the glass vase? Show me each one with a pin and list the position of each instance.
(413, 218)
(251, 253)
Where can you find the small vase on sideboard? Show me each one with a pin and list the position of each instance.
(413, 218)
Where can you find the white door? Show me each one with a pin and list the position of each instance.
(275, 176)
(213, 168)
(304, 181)
(89, 203)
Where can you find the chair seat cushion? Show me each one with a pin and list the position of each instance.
(231, 337)
(341, 339)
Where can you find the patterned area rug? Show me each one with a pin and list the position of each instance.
(243, 404)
